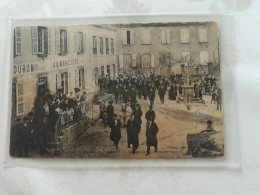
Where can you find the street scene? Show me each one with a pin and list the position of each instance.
(118, 91)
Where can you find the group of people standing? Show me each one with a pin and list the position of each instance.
(51, 114)
(131, 120)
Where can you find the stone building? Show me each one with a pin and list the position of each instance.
(60, 57)
(188, 48)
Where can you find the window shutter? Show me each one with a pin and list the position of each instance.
(204, 58)
(203, 35)
(133, 60)
(132, 37)
(18, 45)
(58, 80)
(76, 47)
(35, 40)
(185, 35)
(168, 38)
(84, 42)
(124, 37)
(76, 78)
(152, 60)
(68, 41)
(57, 40)
(163, 37)
(49, 41)
(83, 77)
(19, 100)
(121, 61)
(146, 37)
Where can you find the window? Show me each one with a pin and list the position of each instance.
(112, 46)
(41, 40)
(127, 60)
(17, 39)
(203, 35)
(79, 42)
(185, 58)
(133, 60)
(79, 75)
(94, 45)
(146, 60)
(62, 41)
(114, 71)
(101, 45)
(204, 57)
(108, 71)
(146, 37)
(107, 46)
(62, 82)
(165, 36)
(102, 71)
(128, 37)
(185, 35)
(19, 99)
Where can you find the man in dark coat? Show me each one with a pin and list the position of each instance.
(151, 136)
(150, 114)
(19, 139)
(152, 95)
(110, 112)
(115, 134)
(23, 134)
(133, 130)
(161, 93)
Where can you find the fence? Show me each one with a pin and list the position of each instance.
(68, 118)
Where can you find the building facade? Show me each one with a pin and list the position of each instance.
(60, 57)
(170, 47)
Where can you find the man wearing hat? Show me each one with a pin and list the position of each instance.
(209, 127)
(115, 133)
(150, 114)
(110, 112)
(151, 136)
(133, 130)
(138, 115)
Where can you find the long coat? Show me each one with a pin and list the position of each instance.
(110, 113)
(151, 134)
(115, 133)
(138, 116)
(133, 130)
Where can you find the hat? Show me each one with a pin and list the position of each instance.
(25, 119)
(110, 101)
(209, 121)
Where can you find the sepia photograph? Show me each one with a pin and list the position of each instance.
(117, 91)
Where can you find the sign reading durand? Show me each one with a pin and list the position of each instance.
(34, 67)
(26, 68)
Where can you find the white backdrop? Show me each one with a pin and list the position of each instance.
(245, 74)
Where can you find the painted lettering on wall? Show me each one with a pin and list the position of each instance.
(64, 63)
(25, 68)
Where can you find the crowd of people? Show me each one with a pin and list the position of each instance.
(127, 89)
(50, 115)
